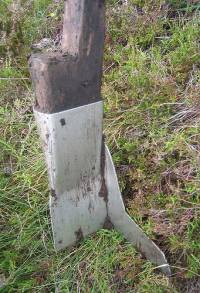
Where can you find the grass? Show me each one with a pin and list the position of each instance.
(152, 123)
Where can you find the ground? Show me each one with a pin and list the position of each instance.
(152, 126)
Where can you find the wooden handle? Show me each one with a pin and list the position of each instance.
(72, 28)
(73, 78)
(84, 26)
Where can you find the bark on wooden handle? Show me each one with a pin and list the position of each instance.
(72, 78)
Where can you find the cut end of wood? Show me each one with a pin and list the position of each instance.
(63, 82)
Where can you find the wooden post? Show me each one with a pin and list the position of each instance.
(73, 78)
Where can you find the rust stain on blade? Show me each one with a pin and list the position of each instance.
(108, 224)
(103, 191)
(79, 235)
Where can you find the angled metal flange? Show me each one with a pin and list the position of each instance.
(125, 224)
(69, 113)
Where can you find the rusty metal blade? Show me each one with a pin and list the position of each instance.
(83, 196)
(72, 142)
